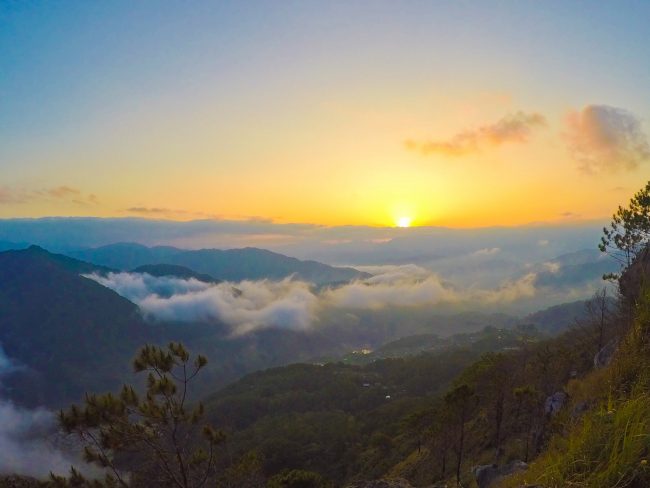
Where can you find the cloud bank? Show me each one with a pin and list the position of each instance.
(27, 444)
(513, 128)
(391, 286)
(296, 305)
(246, 306)
(27, 437)
(603, 138)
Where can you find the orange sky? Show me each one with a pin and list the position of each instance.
(502, 117)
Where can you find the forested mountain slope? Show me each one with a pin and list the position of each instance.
(65, 333)
(229, 265)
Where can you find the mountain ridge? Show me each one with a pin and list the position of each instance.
(249, 263)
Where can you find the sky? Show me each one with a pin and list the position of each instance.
(442, 113)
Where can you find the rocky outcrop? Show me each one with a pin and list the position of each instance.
(554, 403)
(487, 474)
(635, 276)
(605, 355)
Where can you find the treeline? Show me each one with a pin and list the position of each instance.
(343, 421)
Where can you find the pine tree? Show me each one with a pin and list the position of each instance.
(154, 440)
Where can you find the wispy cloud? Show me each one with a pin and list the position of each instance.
(62, 193)
(513, 128)
(70, 194)
(27, 444)
(169, 212)
(603, 138)
(488, 251)
(12, 195)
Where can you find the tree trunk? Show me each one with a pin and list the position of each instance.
(460, 451)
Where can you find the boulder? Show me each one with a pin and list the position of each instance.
(554, 403)
(487, 474)
(633, 278)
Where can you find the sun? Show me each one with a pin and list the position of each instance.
(404, 221)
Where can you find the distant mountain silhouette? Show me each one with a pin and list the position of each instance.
(125, 255)
(9, 246)
(558, 318)
(230, 265)
(575, 269)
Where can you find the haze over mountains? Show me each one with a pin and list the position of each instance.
(468, 258)
(228, 265)
(52, 307)
(332, 245)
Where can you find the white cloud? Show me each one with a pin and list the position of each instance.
(247, 306)
(26, 442)
(138, 286)
(509, 292)
(601, 137)
(407, 285)
(411, 285)
(552, 266)
(513, 128)
(488, 251)
(27, 437)
(252, 305)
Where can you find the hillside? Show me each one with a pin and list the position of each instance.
(66, 333)
(368, 418)
(602, 435)
(339, 420)
(11, 246)
(372, 417)
(228, 265)
(575, 269)
(125, 255)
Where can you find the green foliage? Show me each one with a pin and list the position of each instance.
(298, 478)
(606, 449)
(336, 419)
(155, 438)
(246, 472)
(629, 229)
(14, 481)
(610, 444)
(73, 334)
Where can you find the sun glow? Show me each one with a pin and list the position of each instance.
(404, 221)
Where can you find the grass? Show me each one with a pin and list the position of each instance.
(608, 447)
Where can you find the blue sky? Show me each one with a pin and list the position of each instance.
(297, 111)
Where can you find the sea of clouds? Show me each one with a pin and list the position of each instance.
(251, 305)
